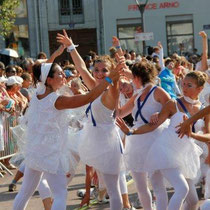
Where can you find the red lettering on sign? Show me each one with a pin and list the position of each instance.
(132, 7)
(154, 6)
(151, 6)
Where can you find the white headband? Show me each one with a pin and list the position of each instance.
(45, 69)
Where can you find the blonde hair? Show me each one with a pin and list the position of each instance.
(104, 59)
(200, 77)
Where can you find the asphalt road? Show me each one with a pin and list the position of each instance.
(6, 198)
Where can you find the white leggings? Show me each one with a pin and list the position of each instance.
(123, 183)
(191, 201)
(144, 193)
(179, 183)
(43, 187)
(113, 190)
(31, 179)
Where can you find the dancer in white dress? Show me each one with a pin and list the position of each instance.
(47, 134)
(146, 102)
(185, 129)
(101, 147)
(169, 157)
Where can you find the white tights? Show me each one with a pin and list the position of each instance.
(179, 183)
(113, 190)
(144, 193)
(123, 183)
(191, 201)
(159, 189)
(31, 179)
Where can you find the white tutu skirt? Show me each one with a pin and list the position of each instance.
(101, 148)
(137, 148)
(169, 151)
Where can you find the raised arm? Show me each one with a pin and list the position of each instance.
(116, 44)
(78, 61)
(161, 60)
(58, 52)
(204, 63)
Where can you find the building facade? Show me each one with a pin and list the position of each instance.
(92, 23)
(176, 23)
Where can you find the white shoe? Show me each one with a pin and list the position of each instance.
(103, 201)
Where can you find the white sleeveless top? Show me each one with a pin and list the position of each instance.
(150, 107)
(47, 136)
(101, 114)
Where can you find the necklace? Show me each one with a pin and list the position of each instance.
(190, 100)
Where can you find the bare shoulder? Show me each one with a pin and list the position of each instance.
(161, 95)
(160, 90)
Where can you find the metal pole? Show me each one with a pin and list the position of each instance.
(141, 10)
(142, 25)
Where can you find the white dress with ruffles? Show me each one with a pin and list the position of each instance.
(46, 147)
(169, 151)
(101, 145)
(137, 146)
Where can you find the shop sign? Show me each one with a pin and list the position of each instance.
(144, 36)
(154, 6)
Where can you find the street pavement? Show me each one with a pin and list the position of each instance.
(35, 203)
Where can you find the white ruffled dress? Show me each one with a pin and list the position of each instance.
(137, 146)
(169, 151)
(46, 147)
(101, 146)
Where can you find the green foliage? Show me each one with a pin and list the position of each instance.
(7, 16)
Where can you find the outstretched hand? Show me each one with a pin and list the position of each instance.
(117, 71)
(115, 41)
(64, 39)
(122, 125)
(184, 128)
(203, 34)
(159, 45)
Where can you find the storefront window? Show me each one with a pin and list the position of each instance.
(126, 36)
(180, 37)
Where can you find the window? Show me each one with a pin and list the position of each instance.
(71, 11)
(180, 37)
(126, 35)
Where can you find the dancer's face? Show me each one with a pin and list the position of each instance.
(190, 88)
(58, 79)
(101, 70)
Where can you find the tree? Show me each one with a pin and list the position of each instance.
(7, 16)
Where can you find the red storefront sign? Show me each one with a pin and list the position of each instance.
(154, 6)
